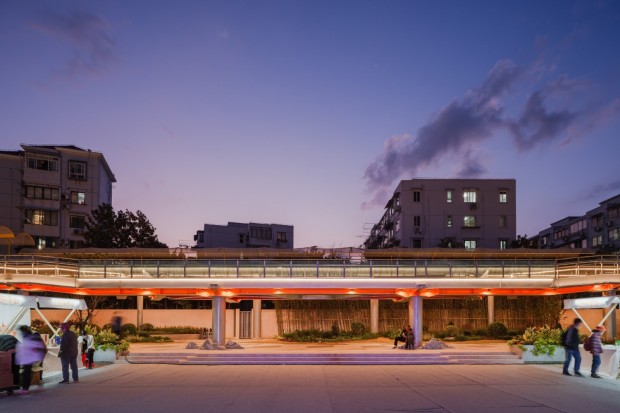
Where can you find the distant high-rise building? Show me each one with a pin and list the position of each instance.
(251, 235)
(429, 213)
(48, 191)
(598, 229)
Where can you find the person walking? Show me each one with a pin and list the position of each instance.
(596, 348)
(68, 354)
(28, 352)
(571, 347)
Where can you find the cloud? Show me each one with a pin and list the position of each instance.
(92, 49)
(609, 189)
(549, 113)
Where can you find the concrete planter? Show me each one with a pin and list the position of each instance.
(527, 357)
(104, 356)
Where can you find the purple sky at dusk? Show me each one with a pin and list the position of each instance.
(309, 112)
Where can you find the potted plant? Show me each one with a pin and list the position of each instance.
(539, 345)
(108, 345)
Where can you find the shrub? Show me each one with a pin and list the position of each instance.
(451, 331)
(148, 339)
(497, 330)
(482, 332)
(176, 330)
(358, 329)
(335, 330)
(40, 327)
(544, 339)
(147, 327)
(129, 329)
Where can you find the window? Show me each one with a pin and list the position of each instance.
(597, 241)
(561, 233)
(77, 170)
(77, 221)
(614, 234)
(40, 192)
(281, 236)
(241, 238)
(449, 196)
(41, 217)
(416, 243)
(417, 220)
(416, 196)
(449, 221)
(503, 197)
(469, 195)
(597, 221)
(503, 244)
(42, 162)
(469, 221)
(578, 226)
(613, 212)
(261, 233)
(502, 221)
(544, 240)
(78, 198)
(470, 244)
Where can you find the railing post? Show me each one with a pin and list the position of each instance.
(415, 268)
(426, 268)
(529, 268)
(105, 268)
(450, 269)
(264, 268)
(397, 267)
(370, 267)
(237, 268)
(476, 266)
(209, 268)
(158, 269)
(185, 268)
(317, 268)
(503, 268)
(344, 269)
(131, 268)
(290, 270)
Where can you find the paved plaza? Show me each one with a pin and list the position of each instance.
(331, 389)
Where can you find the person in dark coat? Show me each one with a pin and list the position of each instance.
(68, 353)
(571, 347)
(402, 337)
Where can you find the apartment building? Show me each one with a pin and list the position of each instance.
(245, 235)
(598, 229)
(48, 191)
(450, 213)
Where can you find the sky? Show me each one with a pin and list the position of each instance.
(308, 113)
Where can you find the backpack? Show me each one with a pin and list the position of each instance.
(587, 344)
(564, 337)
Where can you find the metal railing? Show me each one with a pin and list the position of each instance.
(36, 265)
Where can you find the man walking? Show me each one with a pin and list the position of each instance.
(571, 346)
(68, 353)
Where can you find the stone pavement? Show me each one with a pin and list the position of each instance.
(128, 388)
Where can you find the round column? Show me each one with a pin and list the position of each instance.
(415, 318)
(219, 320)
(374, 315)
(256, 318)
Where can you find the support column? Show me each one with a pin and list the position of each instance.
(140, 311)
(415, 318)
(219, 320)
(374, 315)
(256, 318)
(491, 308)
(610, 324)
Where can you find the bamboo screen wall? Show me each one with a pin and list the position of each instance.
(469, 314)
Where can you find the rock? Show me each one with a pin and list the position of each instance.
(231, 345)
(191, 346)
(209, 345)
(434, 344)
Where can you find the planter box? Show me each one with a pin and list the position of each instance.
(104, 356)
(527, 357)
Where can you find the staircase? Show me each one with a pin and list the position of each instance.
(231, 357)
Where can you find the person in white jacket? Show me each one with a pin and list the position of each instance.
(86, 345)
(29, 351)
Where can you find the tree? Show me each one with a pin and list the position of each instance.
(523, 241)
(123, 229)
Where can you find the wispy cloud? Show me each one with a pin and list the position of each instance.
(609, 189)
(92, 48)
(548, 114)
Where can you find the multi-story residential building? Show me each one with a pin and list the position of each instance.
(251, 235)
(598, 229)
(48, 191)
(429, 213)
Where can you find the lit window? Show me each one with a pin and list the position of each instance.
(470, 244)
(78, 198)
(416, 196)
(597, 241)
(614, 234)
(469, 195)
(448, 195)
(41, 217)
(469, 221)
(281, 236)
(449, 221)
(503, 244)
(503, 197)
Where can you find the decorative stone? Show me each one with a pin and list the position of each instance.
(209, 345)
(435, 344)
(191, 346)
(231, 345)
